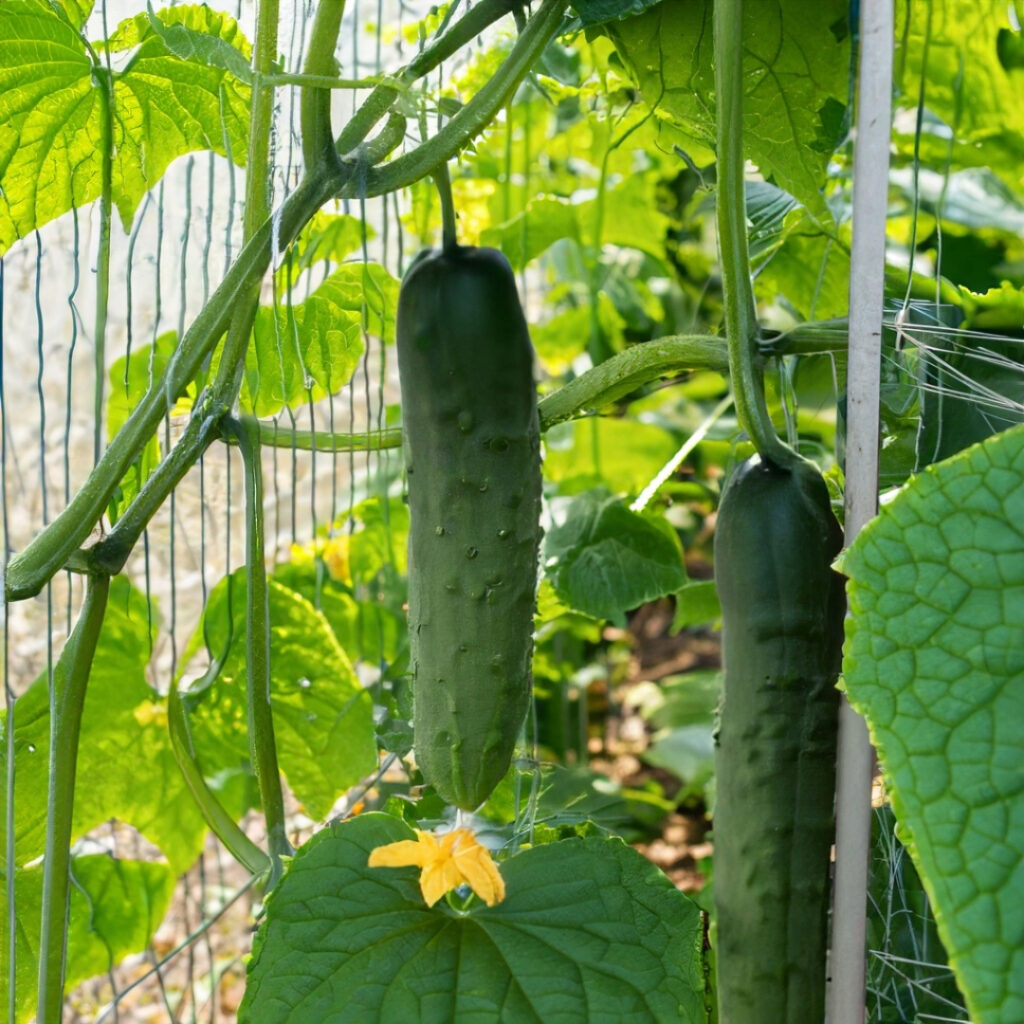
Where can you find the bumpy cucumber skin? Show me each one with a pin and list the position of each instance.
(782, 621)
(472, 456)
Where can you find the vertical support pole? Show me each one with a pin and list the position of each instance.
(867, 271)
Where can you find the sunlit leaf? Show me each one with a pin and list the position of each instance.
(796, 71)
(116, 907)
(53, 102)
(126, 768)
(322, 715)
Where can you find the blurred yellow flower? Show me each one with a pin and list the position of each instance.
(445, 863)
(335, 556)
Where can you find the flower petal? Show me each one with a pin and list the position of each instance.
(406, 853)
(438, 878)
(479, 870)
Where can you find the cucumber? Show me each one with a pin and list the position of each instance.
(782, 633)
(471, 441)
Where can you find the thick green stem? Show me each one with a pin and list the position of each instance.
(261, 117)
(378, 103)
(473, 117)
(315, 111)
(625, 372)
(29, 571)
(257, 203)
(70, 676)
(325, 441)
(449, 221)
(262, 746)
(740, 313)
(106, 143)
(237, 843)
(111, 553)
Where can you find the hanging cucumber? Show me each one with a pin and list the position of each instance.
(472, 451)
(782, 631)
(782, 634)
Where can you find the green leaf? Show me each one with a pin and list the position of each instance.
(311, 349)
(530, 233)
(201, 46)
(955, 46)
(560, 340)
(627, 213)
(605, 559)
(622, 454)
(589, 931)
(51, 110)
(970, 389)
(934, 660)
(797, 74)
(116, 907)
(173, 106)
(596, 12)
(974, 198)
(126, 768)
(696, 605)
(327, 237)
(323, 720)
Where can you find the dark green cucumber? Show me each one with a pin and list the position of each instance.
(472, 449)
(782, 622)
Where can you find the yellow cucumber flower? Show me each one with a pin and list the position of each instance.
(445, 863)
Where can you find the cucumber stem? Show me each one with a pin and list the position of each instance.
(235, 841)
(741, 327)
(443, 182)
(315, 102)
(67, 698)
(262, 745)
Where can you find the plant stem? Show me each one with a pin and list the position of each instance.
(626, 371)
(237, 843)
(111, 553)
(262, 746)
(106, 143)
(261, 118)
(315, 106)
(473, 117)
(376, 105)
(325, 442)
(449, 230)
(740, 314)
(70, 677)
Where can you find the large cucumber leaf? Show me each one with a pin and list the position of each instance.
(958, 47)
(51, 109)
(116, 906)
(934, 660)
(589, 931)
(126, 768)
(323, 718)
(797, 74)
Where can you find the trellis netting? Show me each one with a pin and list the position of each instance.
(139, 248)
